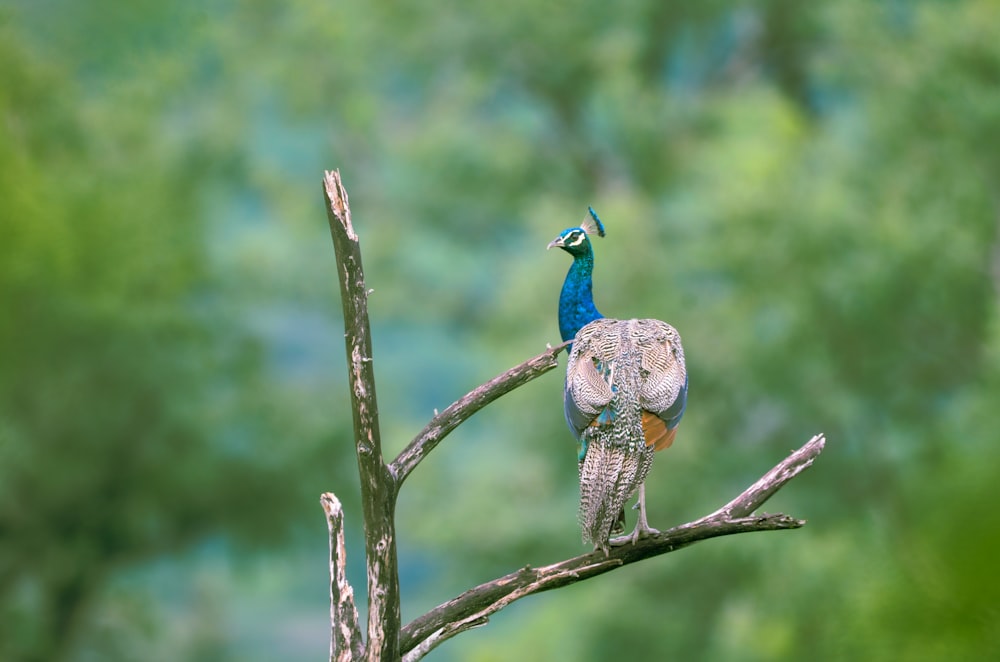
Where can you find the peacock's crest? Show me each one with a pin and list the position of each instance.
(592, 224)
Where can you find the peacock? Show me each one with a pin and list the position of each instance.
(625, 393)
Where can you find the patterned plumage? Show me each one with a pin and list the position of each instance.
(626, 389)
(625, 394)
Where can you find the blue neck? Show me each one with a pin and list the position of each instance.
(576, 301)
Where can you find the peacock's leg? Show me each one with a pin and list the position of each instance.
(642, 527)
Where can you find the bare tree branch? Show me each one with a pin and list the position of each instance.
(475, 606)
(345, 634)
(378, 487)
(772, 481)
(460, 410)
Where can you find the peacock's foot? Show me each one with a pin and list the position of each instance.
(640, 531)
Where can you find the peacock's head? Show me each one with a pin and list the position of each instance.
(575, 241)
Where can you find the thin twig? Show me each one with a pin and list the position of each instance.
(460, 410)
(345, 634)
(378, 487)
(473, 607)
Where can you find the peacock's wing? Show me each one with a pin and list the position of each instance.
(589, 375)
(664, 381)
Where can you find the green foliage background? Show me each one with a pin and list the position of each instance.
(810, 192)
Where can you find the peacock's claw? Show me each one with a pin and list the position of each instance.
(642, 528)
(638, 533)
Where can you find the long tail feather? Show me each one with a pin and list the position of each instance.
(609, 475)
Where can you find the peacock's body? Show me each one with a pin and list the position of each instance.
(626, 390)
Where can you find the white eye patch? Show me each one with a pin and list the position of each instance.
(575, 238)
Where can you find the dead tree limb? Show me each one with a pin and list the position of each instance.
(345, 635)
(475, 606)
(378, 487)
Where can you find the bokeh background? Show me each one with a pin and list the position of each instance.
(808, 191)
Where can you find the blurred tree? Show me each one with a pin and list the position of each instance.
(132, 406)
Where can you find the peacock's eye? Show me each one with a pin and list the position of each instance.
(575, 238)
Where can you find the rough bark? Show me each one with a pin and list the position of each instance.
(378, 487)
(345, 634)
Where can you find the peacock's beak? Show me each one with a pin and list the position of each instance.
(558, 241)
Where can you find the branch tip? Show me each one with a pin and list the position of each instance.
(331, 504)
(338, 203)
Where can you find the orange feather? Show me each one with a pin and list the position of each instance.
(656, 432)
